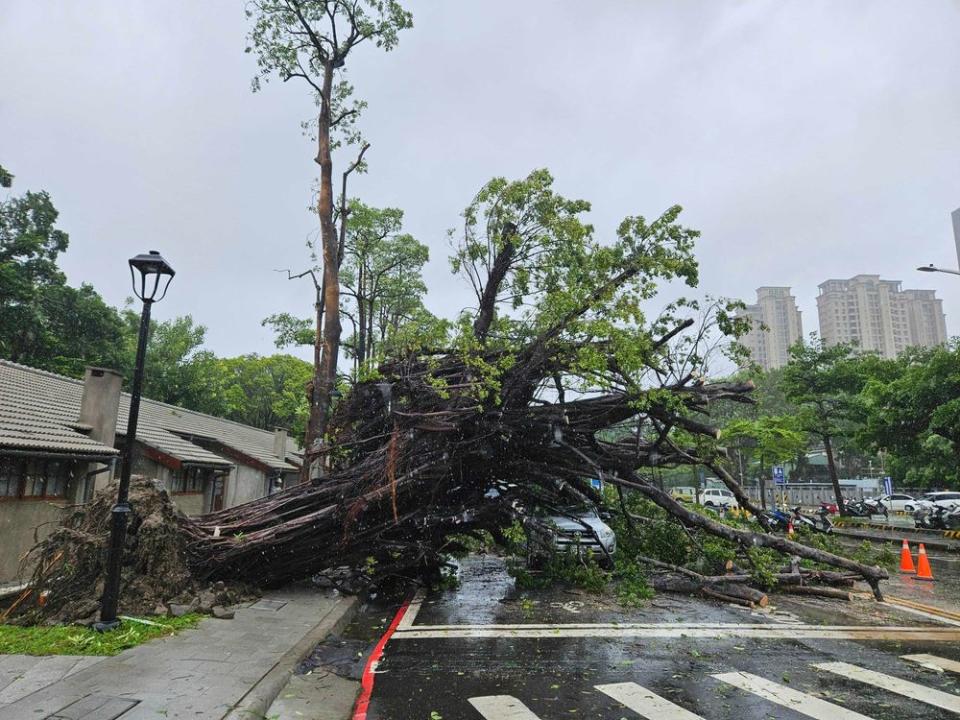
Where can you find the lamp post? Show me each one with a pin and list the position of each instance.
(152, 269)
(933, 268)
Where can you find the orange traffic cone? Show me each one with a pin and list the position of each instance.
(906, 559)
(923, 565)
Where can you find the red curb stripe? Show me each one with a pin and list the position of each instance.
(366, 683)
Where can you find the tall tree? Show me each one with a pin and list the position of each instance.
(311, 40)
(823, 382)
(266, 392)
(179, 370)
(911, 411)
(44, 322)
(30, 243)
(382, 276)
(772, 439)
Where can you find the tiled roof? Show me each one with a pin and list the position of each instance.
(39, 411)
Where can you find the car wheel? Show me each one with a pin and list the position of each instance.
(908, 508)
(708, 503)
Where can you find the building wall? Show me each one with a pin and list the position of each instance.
(244, 484)
(776, 324)
(19, 519)
(877, 315)
(188, 503)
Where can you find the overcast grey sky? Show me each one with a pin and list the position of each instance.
(806, 140)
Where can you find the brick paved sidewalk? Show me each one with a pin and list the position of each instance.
(200, 673)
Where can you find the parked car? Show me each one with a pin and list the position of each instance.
(574, 529)
(684, 494)
(899, 502)
(945, 499)
(715, 497)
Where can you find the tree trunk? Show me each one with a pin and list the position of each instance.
(763, 484)
(325, 372)
(834, 478)
(361, 317)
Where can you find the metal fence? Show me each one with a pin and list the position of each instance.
(807, 494)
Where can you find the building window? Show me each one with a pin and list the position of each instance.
(34, 478)
(9, 478)
(189, 480)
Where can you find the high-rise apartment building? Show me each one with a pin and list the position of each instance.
(878, 315)
(775, 326)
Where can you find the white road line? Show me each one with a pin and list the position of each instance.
(406, 622)
(646, 702)
(614, 625)
(942, 663)
(502, 707)
(763, 632)
(789, 698)
(921, 613)
(937, 698)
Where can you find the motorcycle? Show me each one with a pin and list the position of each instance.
(777, 519)
(859, 509)
(826, 523)
(800, 520)
(937, 518)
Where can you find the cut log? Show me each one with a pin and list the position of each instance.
(823, 592)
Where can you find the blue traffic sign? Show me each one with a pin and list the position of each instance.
(778, 477)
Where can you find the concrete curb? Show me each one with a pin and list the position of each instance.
(866, 535)
(256, 702)
(953, 534)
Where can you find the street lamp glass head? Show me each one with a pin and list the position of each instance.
(927, 268)
(152, 269)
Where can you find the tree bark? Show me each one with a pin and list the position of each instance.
(501, 264)
(872, 575)
(834, 478)
(325, 372)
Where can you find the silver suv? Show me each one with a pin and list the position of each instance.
(574, 529)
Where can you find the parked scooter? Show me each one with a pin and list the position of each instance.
(937, 518)
(858, 509)
(800, 520)
(777, 519)
(826, 524)
(865, 508)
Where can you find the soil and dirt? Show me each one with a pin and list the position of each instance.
(156, 578)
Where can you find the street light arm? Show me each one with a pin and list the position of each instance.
(934, 268)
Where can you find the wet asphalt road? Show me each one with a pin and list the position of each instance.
(556, 677)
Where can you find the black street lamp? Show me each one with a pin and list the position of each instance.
(152, 269)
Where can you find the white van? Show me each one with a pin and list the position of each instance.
(715, 497)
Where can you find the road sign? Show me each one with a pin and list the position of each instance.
(778, 477)
(888, 485)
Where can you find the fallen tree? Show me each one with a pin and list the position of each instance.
(555, 378)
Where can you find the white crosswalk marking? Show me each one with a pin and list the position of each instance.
(646, 702)
(943, 663)
(502, 707)
(937, 698)
(787, 697)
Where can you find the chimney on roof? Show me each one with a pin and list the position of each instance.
(100, 403)
(280, 443)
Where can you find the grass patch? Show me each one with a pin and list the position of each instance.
(76, 640)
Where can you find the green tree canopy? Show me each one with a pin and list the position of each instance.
(823, 382)
(266, 391)
(911, 409)
(44, 322)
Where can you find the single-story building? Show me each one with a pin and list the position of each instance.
(60, 440)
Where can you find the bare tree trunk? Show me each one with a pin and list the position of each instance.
(361, 316)
(763, 484)
(325, 370)
(834, 478)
